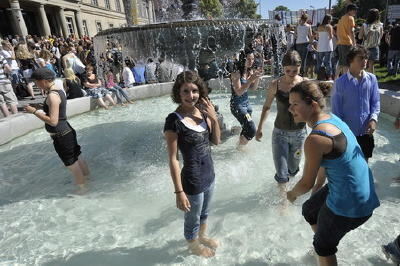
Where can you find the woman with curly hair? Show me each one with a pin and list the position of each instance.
(190, 129)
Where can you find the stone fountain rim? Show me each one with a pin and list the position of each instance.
(178, 24)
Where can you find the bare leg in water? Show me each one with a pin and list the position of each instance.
(203, 239)
(80, 178)
(197, 248)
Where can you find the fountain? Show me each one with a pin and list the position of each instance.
(192, 43)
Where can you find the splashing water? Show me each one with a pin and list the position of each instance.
(129, 217)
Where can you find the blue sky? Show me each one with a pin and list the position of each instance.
(291, 4)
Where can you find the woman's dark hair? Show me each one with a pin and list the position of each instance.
(373, 16)
(327, 19)
(291, 58)
(188, 77)
(240, 65)
(312, 91)
(354, 51)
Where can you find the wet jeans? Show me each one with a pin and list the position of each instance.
(286, 149)
(324, 58)
(119, 92)
(199, 208)
(242, 112)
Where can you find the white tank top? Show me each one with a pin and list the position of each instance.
(302, 33)
(324, 43)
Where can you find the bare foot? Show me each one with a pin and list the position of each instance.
(198, 249)
(209, 242)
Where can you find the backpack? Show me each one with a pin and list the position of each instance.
(372, 35)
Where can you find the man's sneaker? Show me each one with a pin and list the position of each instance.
(392, 252)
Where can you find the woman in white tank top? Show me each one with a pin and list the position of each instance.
(325, 46)
(303, 38)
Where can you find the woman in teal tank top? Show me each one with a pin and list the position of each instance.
(349, 198)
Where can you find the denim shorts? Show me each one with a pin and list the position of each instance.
(331, 228)
(287, 147)
(198, 214)
(373, 53)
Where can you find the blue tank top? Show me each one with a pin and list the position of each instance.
(350, 181)
(242, 99)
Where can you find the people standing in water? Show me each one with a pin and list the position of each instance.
(349, 198)
(356, 99)
(244, 77)
(55, 118)
(287, 135)
(190, 129)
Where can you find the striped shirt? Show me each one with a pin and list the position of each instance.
(3, 77)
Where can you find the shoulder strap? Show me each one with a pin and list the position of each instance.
(321, 133)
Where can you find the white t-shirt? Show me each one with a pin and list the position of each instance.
(127, 76)
(302, 33)
(11, 62)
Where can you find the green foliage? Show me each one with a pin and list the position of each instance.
(339, 9)
(211, 8)
(247, 9)
(281, 8)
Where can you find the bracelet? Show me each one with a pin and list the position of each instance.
(177, 192)
(34, 111)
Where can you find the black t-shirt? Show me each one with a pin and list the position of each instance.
(394, 38)
(74, 89)
(198, 168)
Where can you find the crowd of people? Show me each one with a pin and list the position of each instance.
(337, 150)
(323, 48)
(76, 70)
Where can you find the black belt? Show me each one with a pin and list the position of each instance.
(60, 134)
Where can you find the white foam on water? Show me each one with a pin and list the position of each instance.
(129, 217)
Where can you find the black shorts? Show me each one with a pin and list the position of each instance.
(331, 228)
(67, 147)
(367, 144)
(343, 51)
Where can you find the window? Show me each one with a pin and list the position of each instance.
(70, 26)
(94, 2)
(107, 3)
(118, 5)
(98, 26)
(85, 28)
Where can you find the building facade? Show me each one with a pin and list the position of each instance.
(60, 17)
(143, 12)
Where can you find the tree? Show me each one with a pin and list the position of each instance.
(211, 8)
(281, 8)
(247, 9)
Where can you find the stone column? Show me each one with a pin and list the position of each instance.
(45, 22)
(18, 18)
(78, 20)
(63, 22)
